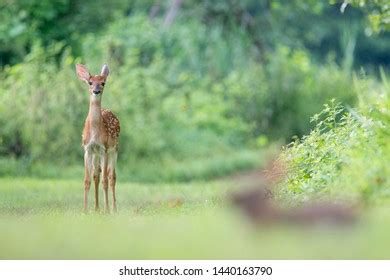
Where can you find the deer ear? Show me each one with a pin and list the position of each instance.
(82, 72)
(105, 71)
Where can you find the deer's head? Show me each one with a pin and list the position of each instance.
(95, 82)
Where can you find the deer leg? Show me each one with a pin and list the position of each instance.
(112, 177)
(105, 181)
(87, 177)
(112, 186)
(96, 178)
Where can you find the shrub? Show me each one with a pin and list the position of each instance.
(346, 155)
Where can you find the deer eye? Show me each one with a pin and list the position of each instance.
(90, 83)
(103, 84)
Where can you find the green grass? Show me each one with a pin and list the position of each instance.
(43, 219)
(146, 170)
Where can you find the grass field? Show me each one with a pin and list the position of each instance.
(43, 219)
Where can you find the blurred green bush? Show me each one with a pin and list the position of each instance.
(178, 93)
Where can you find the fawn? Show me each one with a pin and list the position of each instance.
(99, 139)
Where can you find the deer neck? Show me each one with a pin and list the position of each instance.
(95, 115)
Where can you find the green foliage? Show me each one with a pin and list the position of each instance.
(315, 161)
(41, 109)
(315, 25)
(170, 106)
(298, 88)
(379, 12)
(347, 154)
(24, 22)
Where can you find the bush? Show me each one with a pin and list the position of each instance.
(41, 109)
(298, 88)
(315, 161)
(346, 155)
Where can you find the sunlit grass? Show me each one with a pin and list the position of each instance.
(43, 219)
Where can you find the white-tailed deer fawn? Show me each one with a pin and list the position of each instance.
(99, 139)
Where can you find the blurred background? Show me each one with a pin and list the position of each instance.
(199, 86)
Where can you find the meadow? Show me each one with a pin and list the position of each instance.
(43, 219)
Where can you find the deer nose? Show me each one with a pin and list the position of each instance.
(96, 91)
